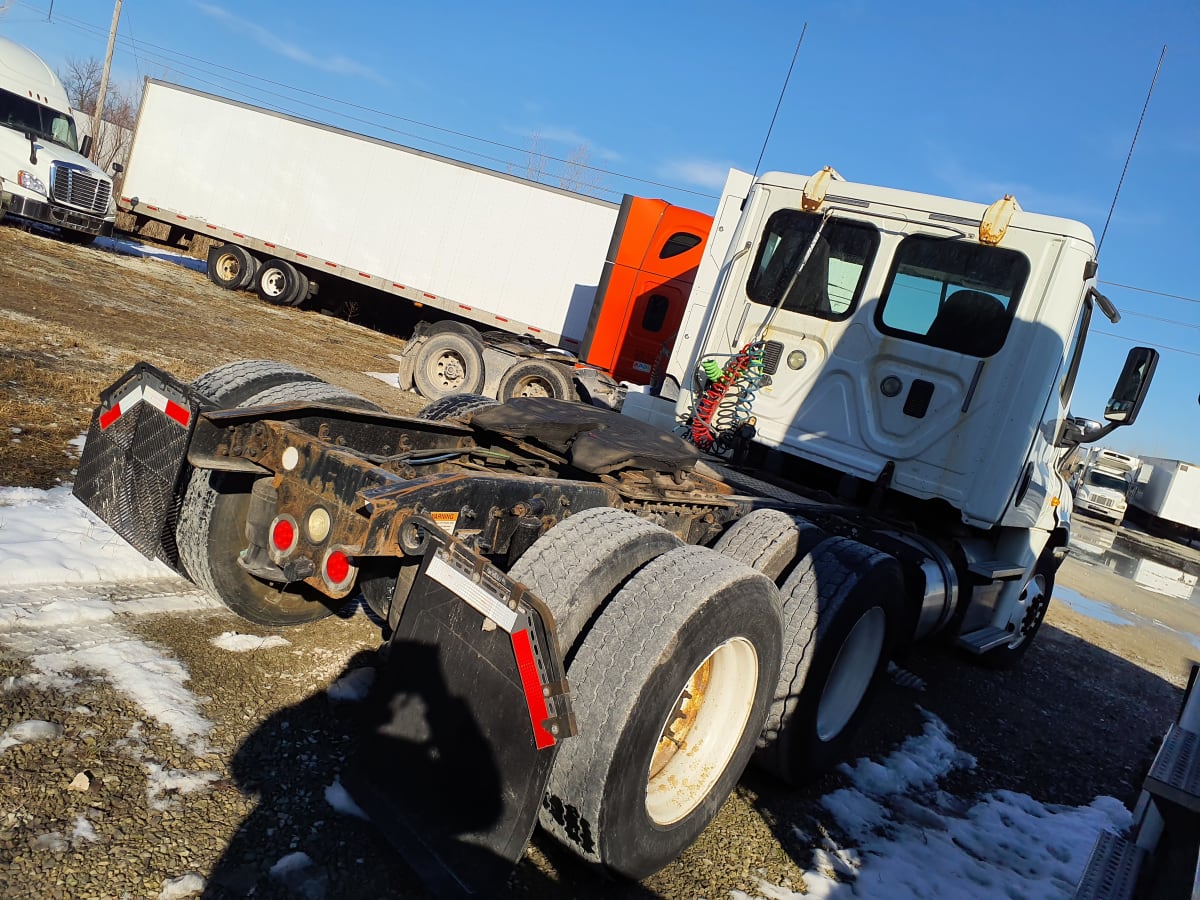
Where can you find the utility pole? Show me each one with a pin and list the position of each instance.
(98, 114)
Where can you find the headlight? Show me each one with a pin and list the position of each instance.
(31, 182)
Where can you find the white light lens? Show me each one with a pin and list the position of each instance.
(318, 525)
(31, 182)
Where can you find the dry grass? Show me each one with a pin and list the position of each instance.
(72, 319)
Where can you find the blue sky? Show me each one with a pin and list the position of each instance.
(1035, 99)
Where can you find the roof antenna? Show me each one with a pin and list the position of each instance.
(780, 101)
(1132, 143)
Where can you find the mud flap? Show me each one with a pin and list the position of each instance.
(463, 724)
(135, 453)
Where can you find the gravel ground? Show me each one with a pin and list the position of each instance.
(1077, 719)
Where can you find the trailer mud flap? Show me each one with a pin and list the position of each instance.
(463, 725)
(135, 452)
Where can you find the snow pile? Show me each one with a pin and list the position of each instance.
(339, 798)
(49, 537)
(907, 838)
(184, 886)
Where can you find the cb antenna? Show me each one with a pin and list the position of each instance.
(779, 103)
(1132, 144)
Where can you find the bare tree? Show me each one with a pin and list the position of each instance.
(111, 133)
(572, 174)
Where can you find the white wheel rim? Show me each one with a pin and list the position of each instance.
(451, 370)
(702, 731)
(273, 283)
(533, 386)
(1033, 594)
(851, 673)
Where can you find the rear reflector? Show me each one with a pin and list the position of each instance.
(535, 699)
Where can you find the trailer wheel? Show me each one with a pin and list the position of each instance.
(537, 378)
(454, 406)
(233, 383)
(231, 267)
(841, 606)
(211, 529)
(448, 363)
(453, 326)
(770, 541)
(1035, 600)
(278, 282)
(671, 685)
(601, 547)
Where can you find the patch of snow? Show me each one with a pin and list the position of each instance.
(28, 731)
(352, 687)
(339, 798)
(49, 537)
(183, 886)
(162, 784)
(52, 841)
(84, 830)
(243, 643)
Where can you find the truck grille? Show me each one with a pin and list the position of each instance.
(78, 188)
(1110, 502)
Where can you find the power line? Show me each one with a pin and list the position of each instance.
(1121, 337)
(175, 55)
(1130, 287)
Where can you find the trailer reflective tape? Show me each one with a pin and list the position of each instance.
(474, 595)
(107, 418)
(535, 699)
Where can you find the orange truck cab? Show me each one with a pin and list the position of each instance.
(648, 274)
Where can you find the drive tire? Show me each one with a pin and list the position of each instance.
(770, 541)
(536, 378)
(686, 613)
(448, 363)
(211, 528)
(844, 596)
(231, 267)
(279, 283)
(454, 406)
(601, 548)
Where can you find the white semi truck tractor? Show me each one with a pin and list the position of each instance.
(595, 624)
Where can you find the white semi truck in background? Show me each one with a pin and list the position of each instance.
(45, 175)
(536, 277)
(1166, 496)
(873, 408)
(1102, 483)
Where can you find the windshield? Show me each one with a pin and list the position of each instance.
(1102, 480)
(22, 114)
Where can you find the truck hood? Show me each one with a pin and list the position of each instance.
(14, 156)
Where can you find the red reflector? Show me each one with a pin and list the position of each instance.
(178, 413)
(337, 567)
(283, 535)
(535, 701)
(109, 417)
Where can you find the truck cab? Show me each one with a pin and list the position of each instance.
(45, 175)
(1102, 485)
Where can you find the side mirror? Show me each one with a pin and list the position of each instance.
(118, 168)
(85, 149)
(1076, 430)
(1132, 386)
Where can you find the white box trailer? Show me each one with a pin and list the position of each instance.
(1169, 490)
(493, 248)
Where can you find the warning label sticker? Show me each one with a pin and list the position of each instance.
(445, 520)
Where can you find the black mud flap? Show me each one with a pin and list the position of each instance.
(135, 453)
(464, 722)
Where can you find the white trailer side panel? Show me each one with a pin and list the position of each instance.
(481, 238)
(1171, 492)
